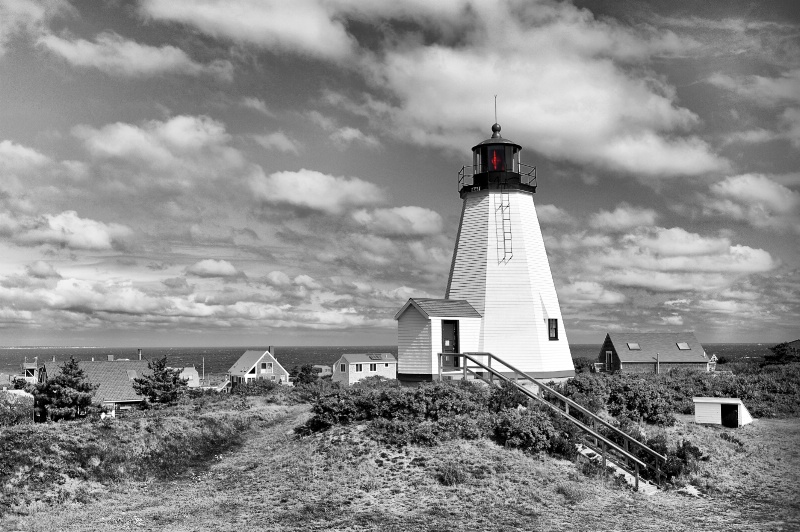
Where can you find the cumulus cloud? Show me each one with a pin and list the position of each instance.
(757, 200)
(406, 221)
(305, 27)
(212, 268)
(278, 141)
(581, 105)
(15, 158)
(42, 270)
(178, 154)
(116, 55)
(312, 190)
(256, 104)
(762, 90)
(624, 217)
(344, 137)
(550, 214)
(583, 293)
(674, 260)
(27, 17)
(67, 229)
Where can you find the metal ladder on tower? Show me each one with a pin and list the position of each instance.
(502, 215)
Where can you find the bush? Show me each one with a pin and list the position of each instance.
(164, 385)
(452, 473)
(528, 430)
(66, 395)
(15, 409)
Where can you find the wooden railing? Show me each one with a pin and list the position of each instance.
(620, 452)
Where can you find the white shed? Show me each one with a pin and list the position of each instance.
(427, 327)
(725, 411)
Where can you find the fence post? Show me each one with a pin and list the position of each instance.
(605, 471)
(440, 367)
(464, 363)
(637, 476)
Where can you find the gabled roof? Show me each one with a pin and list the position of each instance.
(114, 377)
(441, 308)
(249, 359)
(368, 358)
(665, 344)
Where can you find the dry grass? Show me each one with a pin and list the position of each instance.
(342, 480)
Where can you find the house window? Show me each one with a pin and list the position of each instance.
(373, 367)
(609, 360)
(683, 346)
(552, 328)
(359, 367)
(386, 365)
(634, 346)
(343, 368)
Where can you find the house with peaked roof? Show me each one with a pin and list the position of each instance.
(351, 368)
(427, 327)
(115, 380)
(257, 365)
(651, 352)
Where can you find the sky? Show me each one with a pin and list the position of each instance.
(254, 172)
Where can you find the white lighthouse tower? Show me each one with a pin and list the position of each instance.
(500, 295)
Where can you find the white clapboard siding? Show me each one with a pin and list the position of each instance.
(514, 296)
(415, 352)
(468, 272)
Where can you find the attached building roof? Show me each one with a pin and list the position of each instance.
(643, 347)
(114, 377)
(441, 308)
(249, 359)
(367, 358)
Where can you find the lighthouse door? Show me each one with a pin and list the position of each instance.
(450, 341)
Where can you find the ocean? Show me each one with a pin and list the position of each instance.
(219, 359)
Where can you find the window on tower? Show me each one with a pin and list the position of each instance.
(497, 159)
(552, 329)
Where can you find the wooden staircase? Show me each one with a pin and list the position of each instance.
(617, 450)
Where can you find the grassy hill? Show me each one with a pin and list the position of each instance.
(265, 477)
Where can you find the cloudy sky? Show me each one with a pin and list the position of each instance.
(242, 172)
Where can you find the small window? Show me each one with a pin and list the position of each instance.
(359, 368)
(634, 346)
(683, 346)
(386, 365)
(609, 359)
(373, 367)
(263, 365)
(343, 368)
(552, 329)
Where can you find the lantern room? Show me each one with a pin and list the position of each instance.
(496, 165)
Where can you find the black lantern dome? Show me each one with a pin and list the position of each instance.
(496, 166)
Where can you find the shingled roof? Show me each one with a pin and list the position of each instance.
(249, 359)
(368, 358)
(114, 377)
(665, 344)
(441, 308)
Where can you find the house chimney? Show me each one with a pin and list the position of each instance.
(111, 358)
(140, 353)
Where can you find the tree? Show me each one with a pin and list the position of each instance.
(66, 395)
(304, 374)
(163, 385)
(782, 354)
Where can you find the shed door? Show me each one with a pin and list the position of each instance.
(730, 416)
(449, 336)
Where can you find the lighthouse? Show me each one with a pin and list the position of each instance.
(500, 296)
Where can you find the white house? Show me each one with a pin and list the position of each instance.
(257, 365)
(351, 368)
(725, 411)
(191, 376)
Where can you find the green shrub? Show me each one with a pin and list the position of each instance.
(451, 473)
(528, 430)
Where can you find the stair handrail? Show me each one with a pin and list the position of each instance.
(590, 431)
(575, 405)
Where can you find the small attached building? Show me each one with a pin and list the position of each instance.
(651, 353)
(351, 368)
(427, 327)
(257, 365)
(726, 411)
